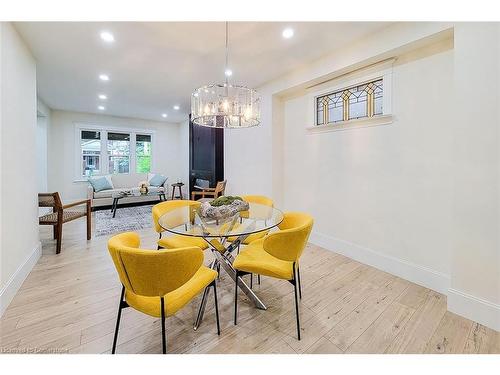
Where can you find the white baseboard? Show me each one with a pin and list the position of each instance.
(463, 304)
(12, 285)
(474, 308)
(415, 273)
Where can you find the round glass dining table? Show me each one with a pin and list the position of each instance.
(223, 237)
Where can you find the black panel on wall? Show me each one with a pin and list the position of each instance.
(206, 154)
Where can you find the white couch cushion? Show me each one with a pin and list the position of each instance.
(109, 193)
(106, 193)
(128, 180)
(156, 189)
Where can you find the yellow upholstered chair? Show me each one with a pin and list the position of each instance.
(260, 199)
(158, 283)
(175, 241)
(277, 255)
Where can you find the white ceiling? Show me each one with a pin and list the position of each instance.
(154, 66)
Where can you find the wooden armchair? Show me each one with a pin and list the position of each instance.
(61, 215)
(215, 192)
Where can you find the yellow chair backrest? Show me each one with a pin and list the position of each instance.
(164, 207)
(152, 272)
(260, 199)
(289, 243)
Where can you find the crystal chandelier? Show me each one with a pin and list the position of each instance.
(225, 105)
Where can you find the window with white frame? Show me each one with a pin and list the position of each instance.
(90, 145)
(118, 153)
(355, 102)
(113, 151)
(143, 153)
(357, 99)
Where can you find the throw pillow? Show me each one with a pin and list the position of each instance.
(157, 180)
(101, 183)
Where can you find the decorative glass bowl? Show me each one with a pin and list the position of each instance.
(222, 217)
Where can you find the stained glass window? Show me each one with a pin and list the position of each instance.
(378, 94)
(335, 107)
(320, 112)
(351, 103)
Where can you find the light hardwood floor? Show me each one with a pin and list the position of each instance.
(68, 304)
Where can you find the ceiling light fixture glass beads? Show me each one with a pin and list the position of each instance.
(225, 105)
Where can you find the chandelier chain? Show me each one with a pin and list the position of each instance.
(224, 105)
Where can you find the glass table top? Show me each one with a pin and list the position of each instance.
(186, 221)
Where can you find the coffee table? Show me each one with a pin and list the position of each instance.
(117, 196)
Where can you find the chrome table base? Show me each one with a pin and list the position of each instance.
(225, 260)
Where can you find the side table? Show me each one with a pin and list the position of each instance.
(177, 185)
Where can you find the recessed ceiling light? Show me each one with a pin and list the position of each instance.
(287, 33)
(103, 77)
(107, 36)
(176, 107)
(228, 72)
(102, 97)
(101, 108)
(164, 115)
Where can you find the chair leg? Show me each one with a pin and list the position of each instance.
(216, 307)
(251, 281)
(54, 230)
(163, 334)
(236, 298)
(258, 279)
(300, 283)
(218, 271)
(89, 221)
(113, 350)
(59, 237)
(296, 303)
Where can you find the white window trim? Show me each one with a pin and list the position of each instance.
(381, 70)
(104, 129)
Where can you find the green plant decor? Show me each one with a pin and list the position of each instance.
(224, 200)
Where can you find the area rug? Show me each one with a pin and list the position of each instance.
(126, 219)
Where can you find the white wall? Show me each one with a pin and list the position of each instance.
(1, 163)
(418, 198)
(248, 157)
(384, 188)
(475, 267)
(257, 149)
(20, 248)
(42, 128)
(169, 153)
(184, 155)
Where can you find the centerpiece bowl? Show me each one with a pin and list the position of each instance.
(222, 212)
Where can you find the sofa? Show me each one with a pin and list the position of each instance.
(122, 182)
